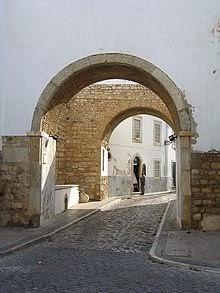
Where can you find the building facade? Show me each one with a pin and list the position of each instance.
(140, 145)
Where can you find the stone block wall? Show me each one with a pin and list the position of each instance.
(27, 180)
(53, 124)
(81, 125)
(104, 192)
(15, 181)
(205, 190)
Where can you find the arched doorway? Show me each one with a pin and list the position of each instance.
(76, 76)
(136, 174)
(137, 148)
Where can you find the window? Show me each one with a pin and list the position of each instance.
(157, 133)
(137, 129)
(157, 169)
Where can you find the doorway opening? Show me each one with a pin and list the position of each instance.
(136, 174)
(140, 163)
(174, 174)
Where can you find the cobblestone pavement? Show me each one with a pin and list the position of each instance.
(107, 252)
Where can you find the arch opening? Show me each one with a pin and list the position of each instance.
(84, 72)
(136, 174)
(141, 156)
(65, 88)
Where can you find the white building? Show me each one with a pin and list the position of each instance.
(137, 141)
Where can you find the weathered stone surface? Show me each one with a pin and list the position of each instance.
(120, 185)
(26, 188)
(80, 133)
(15, 154)
(83, 197)
(205, 188)
(210, 222)
(197, 217)
(14, 181)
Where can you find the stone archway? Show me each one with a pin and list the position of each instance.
(91, 69)
(86, 122)
(76, 76)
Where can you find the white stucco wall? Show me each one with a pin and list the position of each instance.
(43, 36)
(104, 162)
(171, 152)
(123, 150)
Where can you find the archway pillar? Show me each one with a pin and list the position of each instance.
(42, 178)
(79, 74)
(184, 210)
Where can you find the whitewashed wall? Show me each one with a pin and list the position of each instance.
(41, 37)
(104, 162)
(123, 150)
(171, 152)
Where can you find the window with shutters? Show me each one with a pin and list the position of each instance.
(156, 168)
(137, 129)
(157, 132)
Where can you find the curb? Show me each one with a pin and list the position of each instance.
(43, 237)
(178, 264)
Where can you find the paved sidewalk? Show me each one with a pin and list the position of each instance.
(192, 249)
(12, 239)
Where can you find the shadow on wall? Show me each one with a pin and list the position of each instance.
(48, 191)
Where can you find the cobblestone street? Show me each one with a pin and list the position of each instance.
(106, 252)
